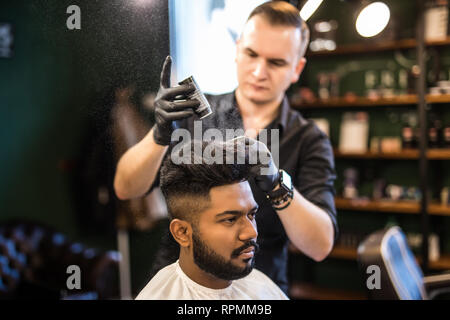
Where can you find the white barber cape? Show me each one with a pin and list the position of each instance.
(171, 283)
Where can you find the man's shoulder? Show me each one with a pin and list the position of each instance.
(155, 288)
(259, 276)
(261, 285)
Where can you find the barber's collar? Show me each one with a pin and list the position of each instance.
(280, 122)
(282, 119)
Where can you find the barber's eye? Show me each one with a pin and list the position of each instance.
(277, 63)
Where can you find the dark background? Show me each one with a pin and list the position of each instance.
(55, 96)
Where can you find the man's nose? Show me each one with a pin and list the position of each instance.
(260, 70)
(248, 230)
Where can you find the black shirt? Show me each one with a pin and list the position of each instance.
(304, 152)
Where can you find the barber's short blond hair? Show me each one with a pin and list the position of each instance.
(281, 13)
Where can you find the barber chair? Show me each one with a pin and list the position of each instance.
(401, 276)
(34, 261)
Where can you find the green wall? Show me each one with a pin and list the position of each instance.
(53, 98)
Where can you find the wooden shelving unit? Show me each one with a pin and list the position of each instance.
(309, 291)
(342, 102)
(442, 264)
(376, 47)
(420, 208)
(406, 207)
(405, 154)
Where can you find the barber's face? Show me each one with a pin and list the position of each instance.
(224, 241)
(267, 60)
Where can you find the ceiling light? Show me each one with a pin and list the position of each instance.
(373, 19)
(309, 8)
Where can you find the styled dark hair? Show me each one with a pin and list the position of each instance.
(186, 186)
(281, 13)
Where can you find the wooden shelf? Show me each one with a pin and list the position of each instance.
(434, 98)
(309, 291)
(407, 207)
(411, 154)
(359, 48)
(341, 102)
(438, 154)
(405, 154)
(442, 264)
(338, 252)
(345, 253)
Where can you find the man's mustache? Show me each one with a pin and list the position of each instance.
(250, 243)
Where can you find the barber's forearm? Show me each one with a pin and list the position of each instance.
(138, 167)
(308, 227)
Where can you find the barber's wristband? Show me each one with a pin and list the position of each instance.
(282, 197)
(282, 203)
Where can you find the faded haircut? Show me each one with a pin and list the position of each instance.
(281, 13)
(186, 186)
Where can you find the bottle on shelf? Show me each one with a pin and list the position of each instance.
(433, 137)
(350, 190)
(409, 139)
(434, 130)
(324, 85)
(446, 136)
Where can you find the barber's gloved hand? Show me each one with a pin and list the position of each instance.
(265, 171)
(171, 104)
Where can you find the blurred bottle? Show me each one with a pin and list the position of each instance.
(446, 136)
(351, 177)
(407, 137)
(334, 85)
(324, 86)
(409, 140)
(434, 130)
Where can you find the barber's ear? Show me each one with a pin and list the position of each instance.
(181, 231)
(298, 69)
(238, 41)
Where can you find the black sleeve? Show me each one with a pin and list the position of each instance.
(316, 174)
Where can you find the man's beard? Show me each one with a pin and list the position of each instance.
(209, 261)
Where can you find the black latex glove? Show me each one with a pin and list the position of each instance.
(171, 104)
(265, 171)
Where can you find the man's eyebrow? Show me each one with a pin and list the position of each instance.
(274, 60)
(235, 212)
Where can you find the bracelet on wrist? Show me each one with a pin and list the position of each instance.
(282, 202)
(284, 206)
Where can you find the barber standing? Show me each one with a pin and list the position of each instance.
(297, 203)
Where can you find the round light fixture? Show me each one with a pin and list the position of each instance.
(373, 19)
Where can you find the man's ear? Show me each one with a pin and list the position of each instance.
(298, 69)
(181, 231)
